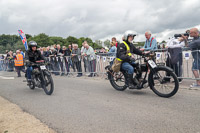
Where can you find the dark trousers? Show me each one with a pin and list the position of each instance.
(19, 69)
(61, 65)
(177, 67)
(78, 67)
(92, 66)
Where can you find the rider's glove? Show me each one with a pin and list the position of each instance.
(146, 53)
(28, 63)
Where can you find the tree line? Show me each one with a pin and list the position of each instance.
(13, 42)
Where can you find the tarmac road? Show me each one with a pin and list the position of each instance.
(80, 105)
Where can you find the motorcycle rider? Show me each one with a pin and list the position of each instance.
(32, 55)
(125, 54)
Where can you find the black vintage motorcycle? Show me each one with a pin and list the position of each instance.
(161, 79)
(41, 77)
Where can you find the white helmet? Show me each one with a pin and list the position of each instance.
(129, 33)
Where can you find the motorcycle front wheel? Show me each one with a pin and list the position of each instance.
(163, 81)
(49, 85)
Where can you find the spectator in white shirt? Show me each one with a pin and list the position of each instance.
(91, 57)
(174, 59)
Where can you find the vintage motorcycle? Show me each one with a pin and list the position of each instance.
(161, 79)
(41, 77)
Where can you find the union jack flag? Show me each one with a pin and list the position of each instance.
(23, 37)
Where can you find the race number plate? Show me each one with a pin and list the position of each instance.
(43, 67)
(152, 63)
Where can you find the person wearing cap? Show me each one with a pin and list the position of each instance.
(150, 43)
(124, 54)
(32, 55)
(19, 62)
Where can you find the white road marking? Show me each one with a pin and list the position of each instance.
(2, 77)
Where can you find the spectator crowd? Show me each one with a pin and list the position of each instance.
(67, 59)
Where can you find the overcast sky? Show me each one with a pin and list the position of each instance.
(99, 19)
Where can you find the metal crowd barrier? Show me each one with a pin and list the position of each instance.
(82, 65)
(7, 65)
(96, 64)
(184, 66)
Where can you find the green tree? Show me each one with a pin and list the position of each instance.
(71, 39)
(42, 40)
(107, 43)
(57, 40)
(28, 36)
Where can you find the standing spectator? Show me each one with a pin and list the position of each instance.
(22, 52)
(19, 62)
(114, 40)
(113, 49)
(52, 56)
(41, 50)
(84, 59)
(76, 56)
(46, 55)
(10, 61)
(64, 49)
(47, 52)
(89, 52)
(59, 54)
(195, 47)
(68, 59)
(175, 59)
(150, 43)
(7, 60)
(1, 62)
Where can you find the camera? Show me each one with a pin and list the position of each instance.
(180, 35)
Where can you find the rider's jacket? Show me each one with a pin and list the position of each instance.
(122, 53)
(33, 56)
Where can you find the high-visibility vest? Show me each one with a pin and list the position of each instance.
(19, 60)
(128, 51)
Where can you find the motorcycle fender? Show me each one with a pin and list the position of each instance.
(170, 69)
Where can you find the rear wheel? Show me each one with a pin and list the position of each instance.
(49, 85)
(117, 80)
(163, 82)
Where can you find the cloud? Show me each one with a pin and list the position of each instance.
(98, 19)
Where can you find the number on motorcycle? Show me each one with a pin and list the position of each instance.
(43, 67)
(152, 63)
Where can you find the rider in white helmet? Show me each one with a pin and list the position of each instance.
(125, 54)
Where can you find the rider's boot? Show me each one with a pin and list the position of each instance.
(130, 82)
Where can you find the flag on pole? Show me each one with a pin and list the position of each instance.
(23, 37)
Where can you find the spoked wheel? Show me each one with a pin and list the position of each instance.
(163, 82)
(49, 85)
(117, 80)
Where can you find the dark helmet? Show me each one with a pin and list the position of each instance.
(32, 44)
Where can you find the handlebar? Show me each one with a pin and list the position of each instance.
(37, 63)
(40, 61)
